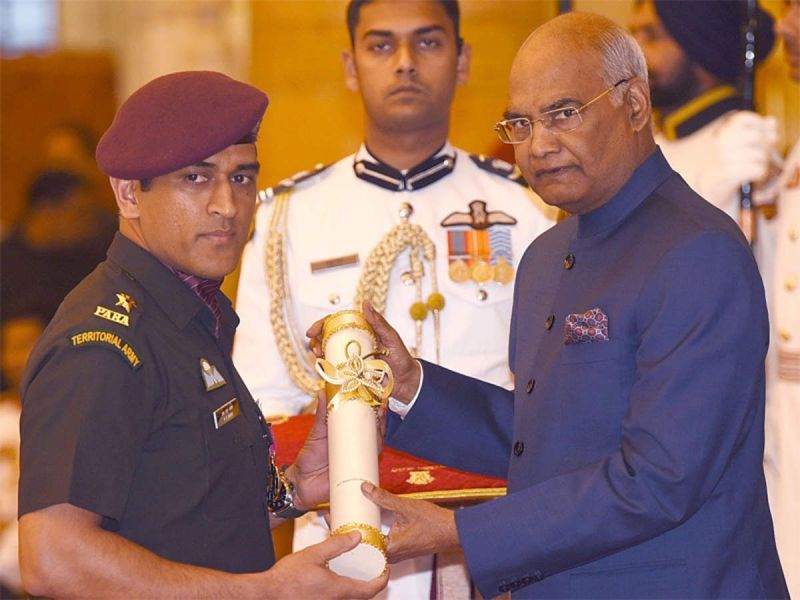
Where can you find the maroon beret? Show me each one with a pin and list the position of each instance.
(178, 120)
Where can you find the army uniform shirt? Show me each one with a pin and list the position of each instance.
(339, 214)
(132, 410)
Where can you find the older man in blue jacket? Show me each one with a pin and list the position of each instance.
(634, 438)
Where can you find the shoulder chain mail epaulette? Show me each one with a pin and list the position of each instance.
(499, 167)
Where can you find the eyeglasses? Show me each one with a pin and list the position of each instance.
(559, 120)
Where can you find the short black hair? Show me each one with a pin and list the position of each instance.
(450, 7)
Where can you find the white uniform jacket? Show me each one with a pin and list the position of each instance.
(782, 445)
(335, 213)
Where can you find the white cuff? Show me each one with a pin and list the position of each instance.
(401, 408)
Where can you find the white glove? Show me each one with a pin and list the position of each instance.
(742, 152)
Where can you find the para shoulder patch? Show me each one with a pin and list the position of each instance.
(122, 315)
(285, 185)
(105, 339)
(499, 167)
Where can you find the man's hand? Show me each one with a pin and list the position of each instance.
(304, 574)
(405, 368)
(309, 473)
(420, 527)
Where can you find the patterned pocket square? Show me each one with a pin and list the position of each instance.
(588, 327)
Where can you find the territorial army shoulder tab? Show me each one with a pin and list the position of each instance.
(500, 167)
(82, 338)
(285, 185)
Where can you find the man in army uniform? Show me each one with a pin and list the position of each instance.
(427, 232)
(146, 467)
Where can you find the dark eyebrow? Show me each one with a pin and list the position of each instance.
(378, 33)
(513, 115)
(430, 29)
(253, 166)
(385, 33)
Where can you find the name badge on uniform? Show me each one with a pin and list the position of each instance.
(211, 376)
(334, 263)
(226, 413)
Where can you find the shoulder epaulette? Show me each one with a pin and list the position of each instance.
(499, 167)
(289, 183)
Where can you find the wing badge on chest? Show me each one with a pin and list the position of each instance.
(479, 245)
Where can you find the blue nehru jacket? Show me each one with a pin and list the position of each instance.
(633, 454)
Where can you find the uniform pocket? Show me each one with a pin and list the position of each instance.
(233, 483)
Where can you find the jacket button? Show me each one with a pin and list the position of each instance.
(548, 324)
(519, 448)
(529, 385)
(569, 261)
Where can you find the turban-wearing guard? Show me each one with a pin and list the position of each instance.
(711, 33)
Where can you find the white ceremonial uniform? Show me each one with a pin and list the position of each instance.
(335, 214)
(690, 141)
(691, 146)
(782, 444)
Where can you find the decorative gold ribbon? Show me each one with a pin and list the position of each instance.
(359, 377)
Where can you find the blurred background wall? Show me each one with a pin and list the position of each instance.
(92, 53)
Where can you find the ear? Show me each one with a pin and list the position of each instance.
(125, 194)
(463, 64)
(350, 71)
(637, 102)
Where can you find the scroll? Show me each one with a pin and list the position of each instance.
(354, 385)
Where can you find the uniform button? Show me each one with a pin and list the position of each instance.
(334, 299)
(482, 295)
(793, 234)
(785, 335)
(529, 386)
(791, 284)
(548, 324)
(406, 210)
(519, 448)
(569, 261)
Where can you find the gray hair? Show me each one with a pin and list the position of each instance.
(622, 58)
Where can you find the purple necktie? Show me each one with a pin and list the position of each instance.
(206, 290)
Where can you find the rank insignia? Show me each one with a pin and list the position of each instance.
(420, 478)
(211, 376)
(479, 245)
(126, 302)
(226, 413)
(111, 315)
